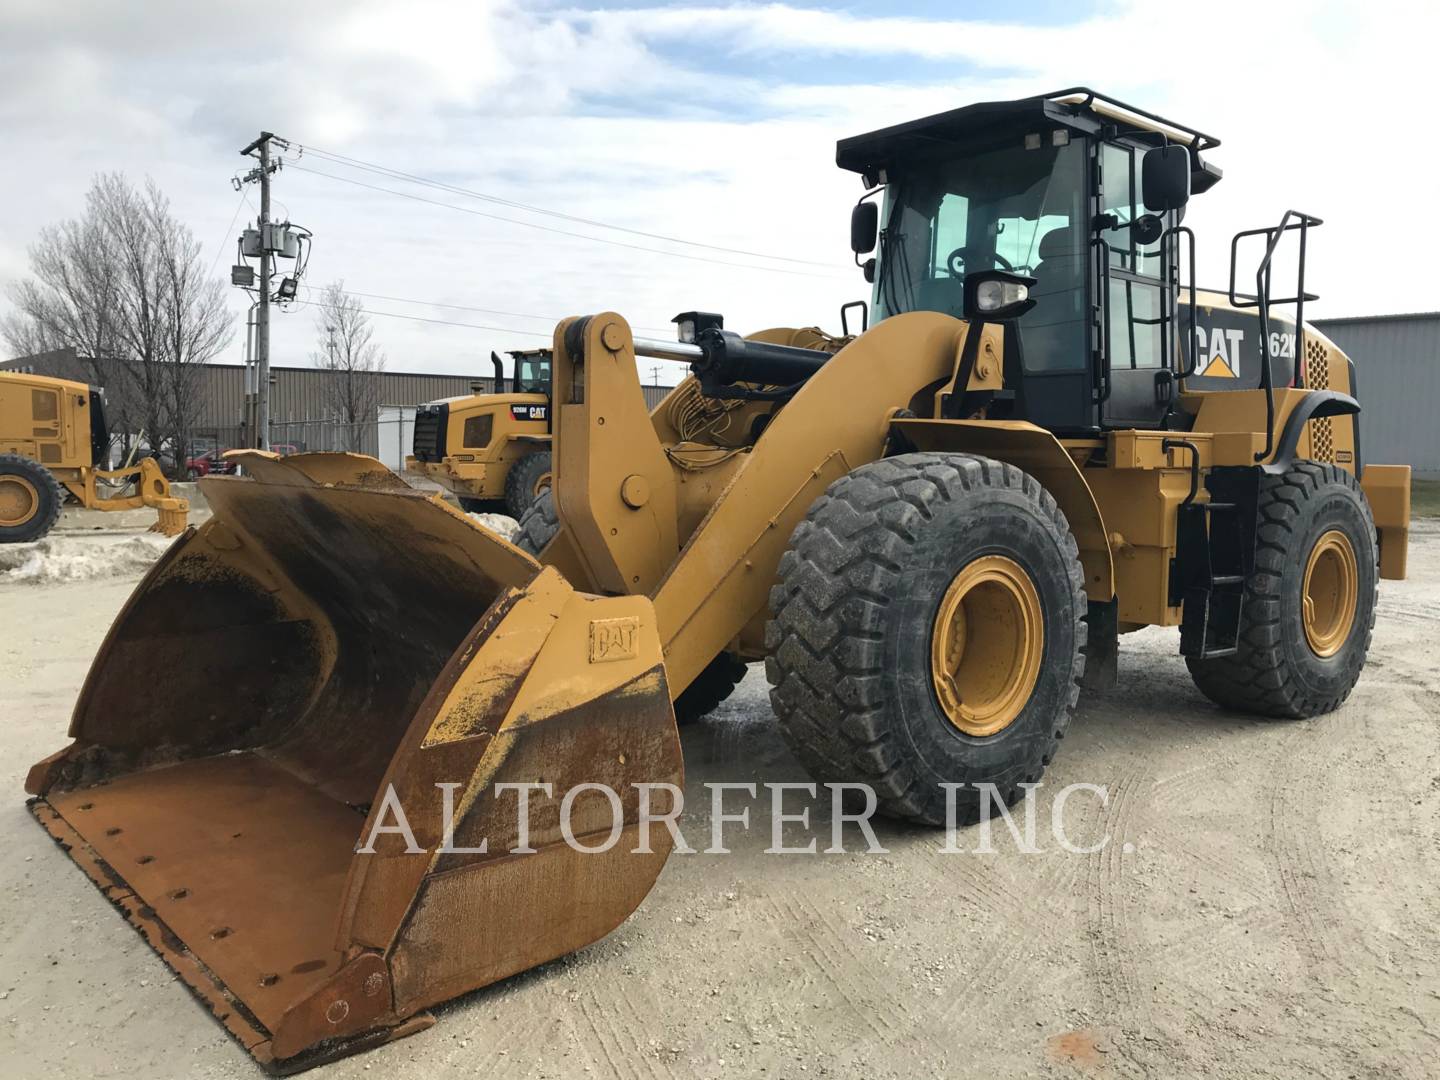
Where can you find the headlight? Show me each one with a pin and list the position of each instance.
(689, 325)
(997, 295)
(991, 296)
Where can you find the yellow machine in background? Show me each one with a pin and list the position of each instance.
(52, 434)
(491, 450)
(932, 533)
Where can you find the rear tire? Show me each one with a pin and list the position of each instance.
(528, 479)
(30, 499)
(865, 592)
(1277, 671)
(538, 525)
(712, 686)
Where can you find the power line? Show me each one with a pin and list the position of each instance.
(385, 170)
(560, 232)
(442, 322)
(229, 231)
(465, 307)
(438, 322)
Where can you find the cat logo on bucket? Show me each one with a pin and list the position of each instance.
(613, 639)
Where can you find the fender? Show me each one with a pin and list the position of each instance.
(1315, 405)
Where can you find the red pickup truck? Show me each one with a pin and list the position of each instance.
(210, 463)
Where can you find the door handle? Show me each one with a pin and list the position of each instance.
(1164, 386)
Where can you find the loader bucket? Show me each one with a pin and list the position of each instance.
(311, 664)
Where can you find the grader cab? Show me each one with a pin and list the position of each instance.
(931, 533)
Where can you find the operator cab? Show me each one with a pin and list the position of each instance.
(532, 371)
(1071, 197)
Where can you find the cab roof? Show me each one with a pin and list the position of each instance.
(1078, 108)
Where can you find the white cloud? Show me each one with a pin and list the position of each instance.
(1320, 107)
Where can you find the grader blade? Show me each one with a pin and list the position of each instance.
(334, 659)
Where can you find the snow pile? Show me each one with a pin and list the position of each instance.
(72, 558)
(507, 528)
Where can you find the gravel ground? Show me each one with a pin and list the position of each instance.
(1267, 905)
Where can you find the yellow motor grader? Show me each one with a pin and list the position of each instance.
(52, 435)
(932, 534)
(491, 450)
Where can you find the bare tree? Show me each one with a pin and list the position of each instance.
(70, 303)
(195, 321)
(125, 287)
(348, 351)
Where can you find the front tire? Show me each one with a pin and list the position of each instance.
(927, 630)
(711, 687)
(30, 499)
(1309, 605)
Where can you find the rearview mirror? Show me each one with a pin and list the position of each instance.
(1165, 178)
(864, 222)
(1147, 228)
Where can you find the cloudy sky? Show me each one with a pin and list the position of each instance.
(713, 124)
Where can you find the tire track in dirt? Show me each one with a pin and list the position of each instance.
(1023, 928)
(1389, 890)
(1115, 944)
(496, 1055)
(1225, 865)
(835, 965)
(1313, 906)
(612, 1044)
(1180, 787)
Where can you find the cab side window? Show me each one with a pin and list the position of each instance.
(1135, 270)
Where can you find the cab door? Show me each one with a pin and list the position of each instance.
(1132, 301)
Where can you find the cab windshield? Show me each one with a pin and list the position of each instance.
(532, 374)
(1008, 208)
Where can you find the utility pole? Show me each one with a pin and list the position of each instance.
(261, 148)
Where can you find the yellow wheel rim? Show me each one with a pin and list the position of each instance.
(1330, 593)
(19, 501)
(986, 646)
(542, 484)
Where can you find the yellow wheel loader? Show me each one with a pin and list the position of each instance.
(491, 450)
(932, 534)
(52, 434)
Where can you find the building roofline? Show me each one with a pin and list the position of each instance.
(221, 366)
(387, 371)
(1402, 316)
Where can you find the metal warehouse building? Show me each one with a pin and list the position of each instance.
(301, 409)
(1397, 368)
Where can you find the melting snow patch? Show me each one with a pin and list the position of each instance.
(506, 527)
(67, 558)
